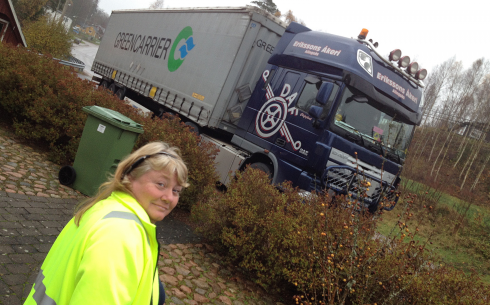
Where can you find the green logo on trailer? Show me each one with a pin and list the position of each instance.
(185, 34)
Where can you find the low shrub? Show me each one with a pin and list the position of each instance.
(48, 36)
(328, 250)
(198, 155)
(256, 225)
(44, 102)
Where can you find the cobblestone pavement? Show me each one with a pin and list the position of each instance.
(28, 228)
(34, 208)
(27, 172)
(192, 274)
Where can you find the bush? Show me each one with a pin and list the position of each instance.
(328, 250)
(257, 225)
(44, 102)
(48, 36)
(198, 155)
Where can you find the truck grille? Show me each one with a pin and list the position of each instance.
(347, 180)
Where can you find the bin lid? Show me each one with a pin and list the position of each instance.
(114, 118)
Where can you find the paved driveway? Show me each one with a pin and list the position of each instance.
(34, 208)
(28, 228)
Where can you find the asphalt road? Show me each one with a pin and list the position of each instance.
(85, 51)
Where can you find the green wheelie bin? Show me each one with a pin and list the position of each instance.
(107, 137)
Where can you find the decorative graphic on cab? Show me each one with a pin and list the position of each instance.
(186, 34)
(272, 116)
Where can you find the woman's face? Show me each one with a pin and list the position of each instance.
(157, 192)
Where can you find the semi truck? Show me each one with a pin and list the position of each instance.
(320, 110)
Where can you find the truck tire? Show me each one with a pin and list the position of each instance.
(104, 84)
(193, 127)
(121, 93)
(113, 88)
(67, 175)
(263, 167)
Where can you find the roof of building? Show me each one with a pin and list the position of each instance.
(19, 28)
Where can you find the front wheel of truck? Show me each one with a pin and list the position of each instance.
(263, 167)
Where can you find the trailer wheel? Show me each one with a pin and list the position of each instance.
(263, 167)
(104, 84)
(121, 93)
(113, 88)
(193, 127)
(67, 175)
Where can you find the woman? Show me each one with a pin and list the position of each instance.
(108, 253)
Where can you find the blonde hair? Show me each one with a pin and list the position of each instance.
(158, 156)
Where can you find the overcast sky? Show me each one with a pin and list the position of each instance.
(430, 31)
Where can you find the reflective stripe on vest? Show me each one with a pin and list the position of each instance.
(128, 216)
(40, 295)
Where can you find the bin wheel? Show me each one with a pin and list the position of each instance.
(67, 175)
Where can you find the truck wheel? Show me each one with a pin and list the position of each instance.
(113, 88)
(193, 127)
(104, 84)
(67, 175)
(263, 167)
(121, 93)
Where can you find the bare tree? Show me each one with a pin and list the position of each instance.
(82, 11)
(436, 81)
(290, 17)
(267, 5)
(158, 4)
(461, 103)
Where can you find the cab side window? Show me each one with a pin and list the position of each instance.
(308, 98)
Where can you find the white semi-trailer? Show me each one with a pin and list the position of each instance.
(305, 106)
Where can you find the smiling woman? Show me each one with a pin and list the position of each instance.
(108, 252)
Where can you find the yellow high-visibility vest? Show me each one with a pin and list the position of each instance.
(110, 258)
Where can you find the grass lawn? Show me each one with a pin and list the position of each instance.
(451, 234)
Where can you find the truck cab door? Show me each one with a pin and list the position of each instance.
(283, 118)
(274, 107)
(312, 109)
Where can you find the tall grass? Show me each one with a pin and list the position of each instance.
(456, 230)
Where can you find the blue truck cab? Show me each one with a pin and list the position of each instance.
(328, 110)
(316, 109)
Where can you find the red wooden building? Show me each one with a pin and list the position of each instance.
(10, 29)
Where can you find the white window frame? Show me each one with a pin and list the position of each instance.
(6, 23)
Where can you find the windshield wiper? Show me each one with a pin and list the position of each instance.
(360, 136)
(377, 148)
(393, 156)
(370, 146)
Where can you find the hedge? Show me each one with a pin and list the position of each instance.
(43, 101)
(327, 250)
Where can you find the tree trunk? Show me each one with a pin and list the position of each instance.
(479, 174)
(445, 154)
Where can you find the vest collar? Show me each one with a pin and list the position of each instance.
(132, 204)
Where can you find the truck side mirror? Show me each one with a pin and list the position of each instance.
(315, 112)
(324, 93)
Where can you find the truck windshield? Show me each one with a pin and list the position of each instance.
(360, 115)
